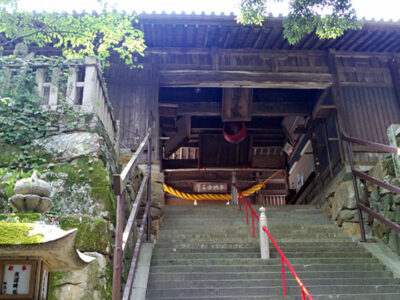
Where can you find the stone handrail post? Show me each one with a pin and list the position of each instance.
(234, 193)
(264, 241)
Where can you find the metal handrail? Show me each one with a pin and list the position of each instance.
(284, 260)
(355, 173)
(122, 234)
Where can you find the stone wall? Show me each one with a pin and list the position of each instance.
(77, 159)
(340, 203)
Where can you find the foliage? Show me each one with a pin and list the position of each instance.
(77, 35)
(9, 177)
(22, 119)
(18, 233)
(328, 18)
(24, 217)
(252, 11)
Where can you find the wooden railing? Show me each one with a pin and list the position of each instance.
(123, 234)
(85, 90)
(374, 147)
(263, 229)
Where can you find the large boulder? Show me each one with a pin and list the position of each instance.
(350, 215)
(344, 198)
(380, 230)
(347, 215)
(81, 187)
(383, 170)
(69, 146)
(351, 228)
(327, 207)
(92, 282)
(157, 190)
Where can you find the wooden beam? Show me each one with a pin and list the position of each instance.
(294, 108)
(183, 126)
(319, 102)
(169, 112)
(185, 78)
(209, 109)
(264, 52)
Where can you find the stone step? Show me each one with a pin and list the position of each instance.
(304, 275)
(209, 253)
(256, 254)
(351, 296)
(277, 291)
(283, 244)
(260, 262)
(281, 229)
(290, 281)
(248, 234)
(271, 268)
(287, 248)
(250, 239)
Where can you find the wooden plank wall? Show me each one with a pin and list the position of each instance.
(231, 68)
(134, 96)
(367, 104)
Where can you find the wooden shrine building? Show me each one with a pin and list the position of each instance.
(201, 72)
(294, 100)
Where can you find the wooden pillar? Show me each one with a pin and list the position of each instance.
(395, 74)
(337, 96)
(154, 115)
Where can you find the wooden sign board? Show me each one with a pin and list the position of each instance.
(236, 104)
(17, 279)
(210, 187)
(44, 282)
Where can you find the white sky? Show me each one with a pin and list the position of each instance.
(370, 9)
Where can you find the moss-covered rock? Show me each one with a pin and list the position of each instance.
(93, 282)
(18, 233)
(82, 187)
(93, 233)
(20, 217)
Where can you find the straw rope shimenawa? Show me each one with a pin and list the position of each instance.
(222, 197)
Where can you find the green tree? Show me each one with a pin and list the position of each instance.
(328, 18)
(77, 35)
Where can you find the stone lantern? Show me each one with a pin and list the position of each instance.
(29, 252)
(31, 194)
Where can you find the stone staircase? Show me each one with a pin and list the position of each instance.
(208, 252)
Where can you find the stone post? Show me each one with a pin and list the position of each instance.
(89, 97)
(71, 95)
(234, 193)
(393, 131)
(264, 240)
